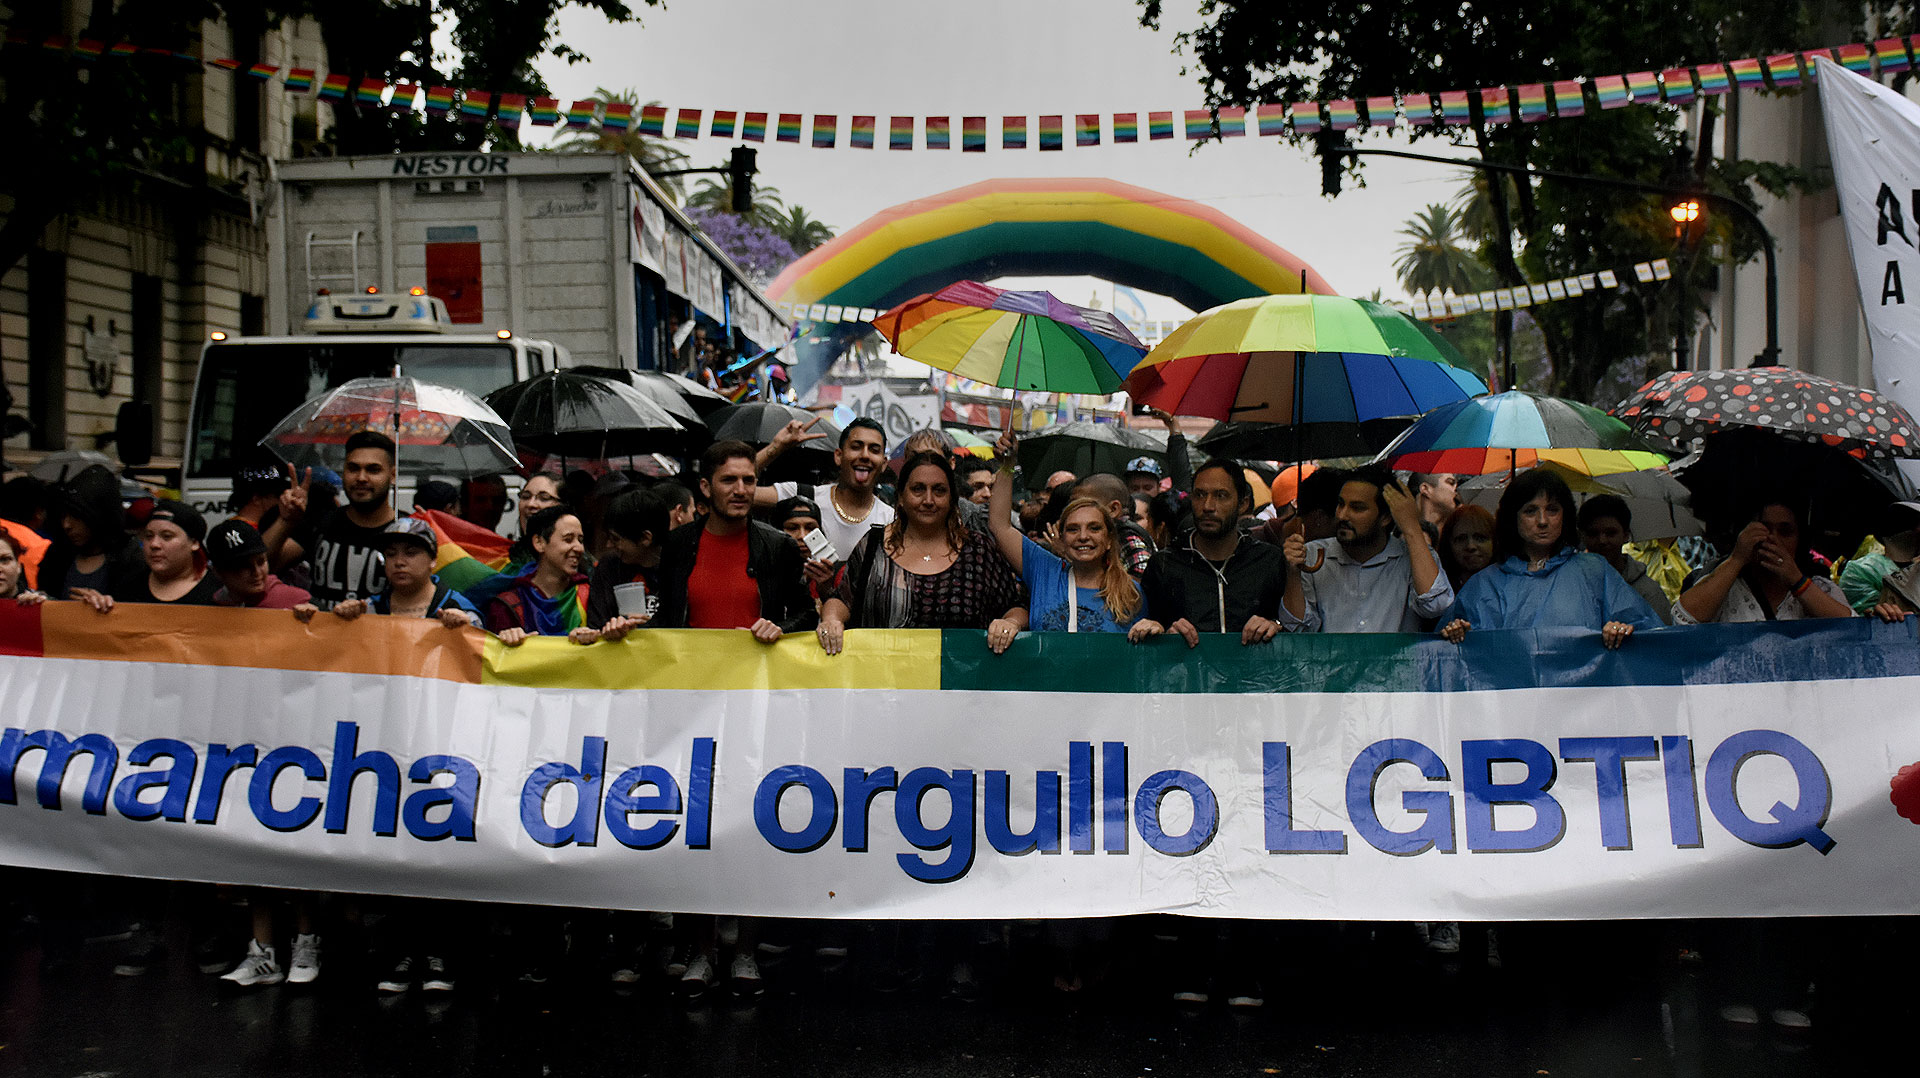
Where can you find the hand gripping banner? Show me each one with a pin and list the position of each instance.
(1699, 772)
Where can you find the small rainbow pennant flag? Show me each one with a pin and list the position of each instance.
(1343, 115)
(617, 117)
(1052, 132)
(124, 48)
(512, 107)
(1891, 52)
(1569, 99)
(723, 124)
(826, 131)
(1748, 74)
(1496, 105)
(939, 133)
(686, 124)
(1644, 86)
(1306, 117)
(1419, 109)
(859, 133)
(1270, 119)
(1233, 123)
(1713, 79)
(440, 100)
(1086, 129)
(370, 94)
(1199, 123)
(789, 127)
(403, 97)
(900, 133)
(541, 111)
(1456, 107)
(473, 105)
(263, 72)
(1533, 102)
(1013, 132)
(753, 127)
(333, 88)
(1784, 69)
(1380, 111)
(653, 119)
(579, 114)
(973, 134)
(1612, 91)
(299, 80)
(1856, 58)
(1677, 83)
(89, 47)
(1126, 127)
(1159, 125)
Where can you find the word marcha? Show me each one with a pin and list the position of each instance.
(1094, 806)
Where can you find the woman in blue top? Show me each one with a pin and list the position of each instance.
(1540, 580)
(1087, 591)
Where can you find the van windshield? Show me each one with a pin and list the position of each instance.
(244, 389)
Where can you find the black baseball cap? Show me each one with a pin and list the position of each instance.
(233, 543)
(185, 516)
(797, 507)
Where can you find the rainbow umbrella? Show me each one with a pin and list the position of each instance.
(1513, 430)
(1319, 372)
(1015, 340)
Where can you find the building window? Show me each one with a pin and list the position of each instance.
(47, 348)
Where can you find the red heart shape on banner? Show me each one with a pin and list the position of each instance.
(1906, 792)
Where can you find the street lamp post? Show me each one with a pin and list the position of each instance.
(1770, 355)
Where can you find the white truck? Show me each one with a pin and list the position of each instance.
(471, 269)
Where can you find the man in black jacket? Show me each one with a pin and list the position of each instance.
(730, 571)
(1220, 581)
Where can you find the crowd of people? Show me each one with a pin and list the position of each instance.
(945, 540)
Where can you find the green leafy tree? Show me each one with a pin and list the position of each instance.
(654, 155)
(1246, 52)
(801, 230)
(1433, 258)
(716, 195)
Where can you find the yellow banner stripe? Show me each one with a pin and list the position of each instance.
(720, 659)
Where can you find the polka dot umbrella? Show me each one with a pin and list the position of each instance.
(1683, 407)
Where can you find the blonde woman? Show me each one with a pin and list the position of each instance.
(1085, 587)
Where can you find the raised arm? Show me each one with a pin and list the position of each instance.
(794, 433)
(1179, 460)
(1000, 503)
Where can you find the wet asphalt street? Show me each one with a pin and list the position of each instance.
(1568, 1000)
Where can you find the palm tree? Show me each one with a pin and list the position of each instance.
(1433, 259)
(653, 154)
(805, 233)
(716, 196)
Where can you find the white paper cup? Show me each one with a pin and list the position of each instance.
(631, 598)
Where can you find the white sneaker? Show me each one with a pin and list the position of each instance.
(259, 967)
(698, 977)
(305, 967)
(745, 976)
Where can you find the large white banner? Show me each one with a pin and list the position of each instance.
(1705, 795)
(1873, 136)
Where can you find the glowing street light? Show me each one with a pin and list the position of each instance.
(1684, 213)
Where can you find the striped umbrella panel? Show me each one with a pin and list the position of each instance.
(1334, 387)
(1302, 323)
(1517, 430)
(1015, 339)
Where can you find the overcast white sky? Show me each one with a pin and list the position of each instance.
(988, 57)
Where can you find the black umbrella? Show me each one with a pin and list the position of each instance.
(569, 414)
(682, 397)
(1840, 496)
(757, 424)
(1087, 448)
(1304, 441)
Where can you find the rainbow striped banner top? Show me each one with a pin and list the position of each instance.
(686, 123)
(473, 105)
(789, 127)
(973, 134)
(900, 133)
(723, 124)
(753, 127)
(1126, 127)
(1086, 129)
(334, 88)
(1199, 123)
(299, 80)
(1533, 102)
(512, 106)
(541, 111)
(860, 133)
(826, 131)
(1013, 132)
(939, 133)
(1612, 91)
(1232, 122)
(1748, 74)
(1714, 80)
(1496, 105)
(404, 95)
(618, 116)
(1419, 109)
(1267, 119)
(440, 100)
(1052, 132)
(1855, 58)
(1380, 112)
(1343, 115)
(1306, 117)
(1784, 69)
(1891, 53)
(653, 119)
(1456, 107)
(1568, 99)
(1644, 86)
(579, 114)
(370, 94)
(1677, 83)
(1159, 125)
(263, 72)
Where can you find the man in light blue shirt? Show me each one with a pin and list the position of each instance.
(1366, 579)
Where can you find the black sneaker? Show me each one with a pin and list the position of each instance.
(144, 952)
(399, 978)
(210, 957)
(438, 977)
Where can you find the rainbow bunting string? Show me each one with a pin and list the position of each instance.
(1199, 123)
(618, 116)
(1267, 120)
(1013, 132)
(1784, 69)
(1496, 105)
(1678, 85)
(1343, 115)
(579, 114)
(124, 48)
(723, 124)
(1569, 99)
(1891, 52)
(1714, 80)
(541, 111)
(440, 101)
(788, 129)
(686, 123)
(1086, 129)
(826, 131)
(1306, 117)
(753, 127)
(88, 47)
(404, 94)
(473, 105)
(1612, 91)
(939, 133)
(860, 133)
(1159, 125)
(370, 94)
(653, 119)
(1644, 86)
(1456, 107)
(1748, 74)
(900, 133)
(512, 107)
(300, 80)
(1533, 103)
(1856, 58)
(1233, 123)
(334, 88)
(973, 134)
(1419, 109)
(1380, 111)
(263, 72)
(1052, 132)
(1126, 127)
